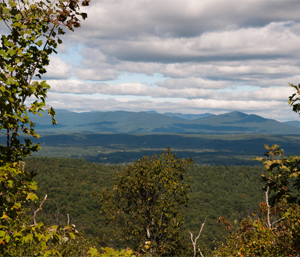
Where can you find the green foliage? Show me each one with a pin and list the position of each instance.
(17, 189)
(35, 28)
(283, 177)
(146, 201)
(254, 238)
(18, 236)
(108, 252)
(69, 184)
(294, 98)
(278, 232)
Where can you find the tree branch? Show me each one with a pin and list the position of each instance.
(200, 252)
(38, 209)
(277, 221)
(194, 242)
(268, 206)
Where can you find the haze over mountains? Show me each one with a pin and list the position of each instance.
(152, 122)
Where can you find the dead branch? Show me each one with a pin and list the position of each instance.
(268, 206)
(38, 209)
(194, 242)
(200, 252)
(268, 214)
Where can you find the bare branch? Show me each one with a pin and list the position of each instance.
(268, 206)
(38, 209)
(277, 221)
(200, 252)
(194, 242)
(7, 25)
(268, 214)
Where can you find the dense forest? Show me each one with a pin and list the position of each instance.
(215, 191)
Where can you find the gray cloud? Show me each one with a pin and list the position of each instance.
(210, 54)
(271, 42)
(182, 18)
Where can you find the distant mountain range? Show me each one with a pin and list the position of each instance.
(153, 122)
(295, 123)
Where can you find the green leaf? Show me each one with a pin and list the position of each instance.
(72, 235)
(10, 183)
(39, 43)
(93, 252)
(11, 52)
(10, 81)
(2, 234)
(28, 238)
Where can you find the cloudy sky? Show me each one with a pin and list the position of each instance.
(187, 56)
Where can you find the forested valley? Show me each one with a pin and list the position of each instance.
(234, 192)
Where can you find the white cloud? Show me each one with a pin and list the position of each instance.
(270, 109)
(58, 69)
(171, 91)
(99, 74)
(193, 82)
(215, 56)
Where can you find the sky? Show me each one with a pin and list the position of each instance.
(180, 56)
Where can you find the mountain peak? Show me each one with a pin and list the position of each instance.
(237, 113)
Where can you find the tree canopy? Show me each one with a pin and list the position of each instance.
(34, 30)
(146, 202)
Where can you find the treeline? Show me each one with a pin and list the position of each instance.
(215, 191)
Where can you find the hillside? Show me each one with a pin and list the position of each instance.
(145, 122)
